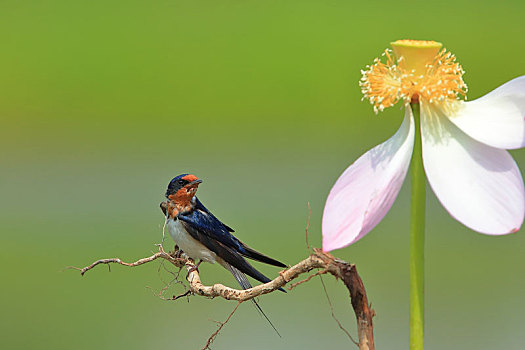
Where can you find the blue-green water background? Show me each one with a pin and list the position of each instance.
(103, 102)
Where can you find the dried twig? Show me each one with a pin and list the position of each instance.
(318, 273)
(185, 294)
(317, 260)
(221, 324)
(363, 311)
(308, 226)
(333, 314)
(161, 254)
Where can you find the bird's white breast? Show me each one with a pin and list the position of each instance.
(189, 245)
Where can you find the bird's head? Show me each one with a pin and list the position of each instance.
(183, 188)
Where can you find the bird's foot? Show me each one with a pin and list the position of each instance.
(193, 268)
(177, 252)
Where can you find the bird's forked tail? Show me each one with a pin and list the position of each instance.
(245, 284)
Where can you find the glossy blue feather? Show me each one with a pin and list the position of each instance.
(204, 221)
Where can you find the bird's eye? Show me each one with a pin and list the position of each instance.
(181, 182)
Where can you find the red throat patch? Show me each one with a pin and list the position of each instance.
(182, 199)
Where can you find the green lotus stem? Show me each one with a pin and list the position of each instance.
(417, 240)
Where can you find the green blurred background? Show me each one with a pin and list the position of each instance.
(103, 102)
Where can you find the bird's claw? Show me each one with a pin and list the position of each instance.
(193, 268)
(177, 252)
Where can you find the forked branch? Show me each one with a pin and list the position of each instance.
(318, 260)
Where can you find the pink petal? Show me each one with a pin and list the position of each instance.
(498, 118)
(479, 185)
(364, 193)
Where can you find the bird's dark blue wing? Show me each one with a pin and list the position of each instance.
(205, 222)
(210, 226)
(201, 206)
(226, 253)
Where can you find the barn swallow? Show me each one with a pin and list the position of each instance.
(203, 237)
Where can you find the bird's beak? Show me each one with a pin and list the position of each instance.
(194, 183)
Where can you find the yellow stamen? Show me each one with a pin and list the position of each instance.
(417, 70)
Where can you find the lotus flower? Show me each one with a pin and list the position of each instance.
(463, 147)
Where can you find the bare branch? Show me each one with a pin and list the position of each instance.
(317, 260)
(161, 254)
(363, 311)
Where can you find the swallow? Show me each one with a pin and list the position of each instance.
(203, 237)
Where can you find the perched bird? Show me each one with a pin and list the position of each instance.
(199, 234)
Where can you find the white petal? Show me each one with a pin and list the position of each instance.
(479, 185)
(498, 118)
(364, 193)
